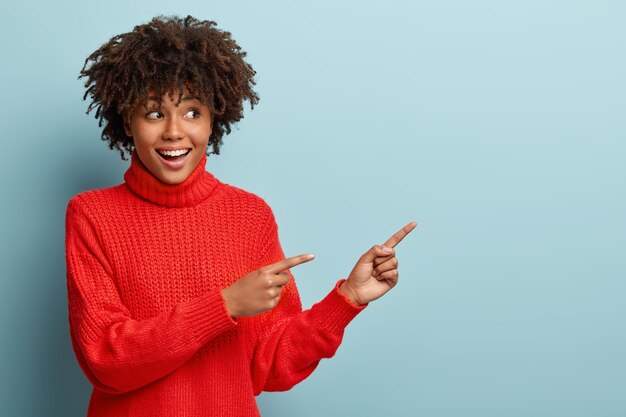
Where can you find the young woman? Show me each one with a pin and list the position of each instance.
(181, 301)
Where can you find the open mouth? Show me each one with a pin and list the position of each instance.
(174, 155)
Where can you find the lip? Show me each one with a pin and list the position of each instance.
(174, 164)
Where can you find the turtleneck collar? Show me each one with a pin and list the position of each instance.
(195, 188)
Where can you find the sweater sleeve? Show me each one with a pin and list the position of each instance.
(288, 343)
(116, 352)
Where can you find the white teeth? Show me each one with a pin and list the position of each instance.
(175, 153)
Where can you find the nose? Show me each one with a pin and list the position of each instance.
(173, 129)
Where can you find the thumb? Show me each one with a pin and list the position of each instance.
(376, 251)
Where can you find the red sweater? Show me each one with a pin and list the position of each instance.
(146, 263)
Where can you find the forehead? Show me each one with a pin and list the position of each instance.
(153, 99)
(187, 95)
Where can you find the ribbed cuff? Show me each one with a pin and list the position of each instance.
(208, 316)
(335, 311)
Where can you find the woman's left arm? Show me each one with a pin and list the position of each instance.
(288, 343)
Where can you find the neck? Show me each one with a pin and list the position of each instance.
(199, 185)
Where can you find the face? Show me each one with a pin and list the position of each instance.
(159, 126)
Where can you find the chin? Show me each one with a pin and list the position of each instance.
(174, 179)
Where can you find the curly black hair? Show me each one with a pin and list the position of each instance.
(165, 55)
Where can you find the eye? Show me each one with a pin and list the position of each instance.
(154, 115)
(192, 114)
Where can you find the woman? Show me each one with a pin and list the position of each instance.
(181, 301)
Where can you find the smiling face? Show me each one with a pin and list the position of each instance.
(160, 125)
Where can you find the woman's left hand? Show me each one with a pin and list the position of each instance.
(376, 271)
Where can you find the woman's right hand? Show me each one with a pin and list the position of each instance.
(259, 291)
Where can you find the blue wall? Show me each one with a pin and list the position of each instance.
(498, 126)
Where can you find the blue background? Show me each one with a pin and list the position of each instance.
(497, 126)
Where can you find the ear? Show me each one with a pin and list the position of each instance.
(126, 121)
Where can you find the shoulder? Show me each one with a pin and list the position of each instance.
(248, 202)
(94, 201)
(254, 211)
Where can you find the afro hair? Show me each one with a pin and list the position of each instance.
(163, 56)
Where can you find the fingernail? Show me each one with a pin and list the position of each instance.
(386, 250)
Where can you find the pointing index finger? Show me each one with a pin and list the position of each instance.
(399, 235)
(288, 263)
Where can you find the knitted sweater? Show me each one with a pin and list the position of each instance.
(146, 263)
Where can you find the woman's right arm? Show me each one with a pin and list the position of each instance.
(116, 352)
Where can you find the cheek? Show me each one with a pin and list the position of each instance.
(207, 129)
(200, 134)
(144, 132)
